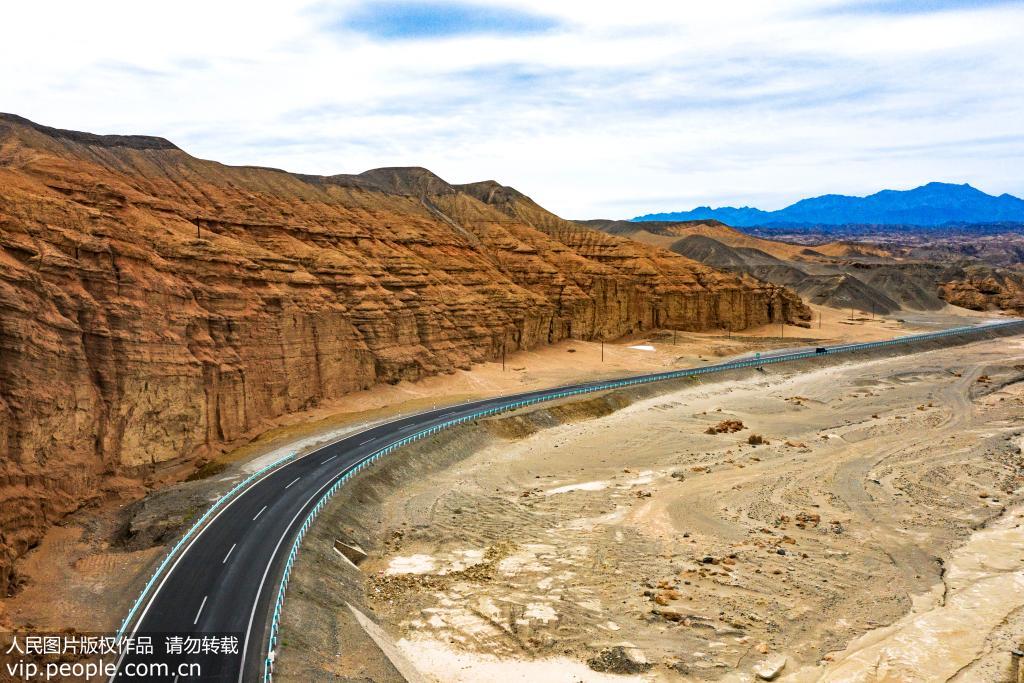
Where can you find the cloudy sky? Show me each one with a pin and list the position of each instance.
(595, 109)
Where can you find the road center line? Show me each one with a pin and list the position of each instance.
(329, 459)
(366, 442)
(229, 554)
(259, 513)
(293, 481)
(201, 606)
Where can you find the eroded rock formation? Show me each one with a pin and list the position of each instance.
(982, 288)
(155, 306)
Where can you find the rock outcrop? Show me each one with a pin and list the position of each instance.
(155, 306)
(981, 288)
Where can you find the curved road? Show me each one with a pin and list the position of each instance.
(226, 580)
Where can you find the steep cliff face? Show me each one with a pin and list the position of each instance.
(155, 306)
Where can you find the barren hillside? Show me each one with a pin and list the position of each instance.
(155, 306)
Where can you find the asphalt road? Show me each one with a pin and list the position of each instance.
(226, 580)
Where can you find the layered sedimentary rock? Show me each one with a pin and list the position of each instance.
(982, 288)
(155, 306)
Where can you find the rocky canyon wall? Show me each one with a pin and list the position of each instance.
(155, 306)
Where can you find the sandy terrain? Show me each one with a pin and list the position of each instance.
(875, 537)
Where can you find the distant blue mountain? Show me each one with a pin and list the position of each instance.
(928, 205)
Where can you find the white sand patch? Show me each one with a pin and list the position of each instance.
(459, 622)
(590, 523)
(541, 611)
(528, 559)
(461, 559)
(439, 662)
(585, 486)
(642, 347)
(412, 564)
(428, 564)
(645, 477)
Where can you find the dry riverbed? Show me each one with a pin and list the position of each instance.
(873, 535)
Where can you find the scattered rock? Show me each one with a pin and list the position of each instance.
(808, 519)
(678, 667)
(725, 427)
(770, 668)
(621, 659)
(671, 615)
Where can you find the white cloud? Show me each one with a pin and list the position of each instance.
(614, 110)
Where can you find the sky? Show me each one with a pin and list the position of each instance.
(594, 109)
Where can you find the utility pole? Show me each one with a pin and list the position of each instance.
(673, 337)
(782, 328)
(602, 350)
(504, 343)
(819, 320)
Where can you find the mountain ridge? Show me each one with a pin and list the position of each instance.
(157, 309)
(932, 204)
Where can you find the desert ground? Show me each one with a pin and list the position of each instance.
(86, 571)
(874, 535)
(880, 507)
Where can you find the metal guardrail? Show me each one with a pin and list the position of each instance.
(511, 405)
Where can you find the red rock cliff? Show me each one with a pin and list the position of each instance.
(154, 306)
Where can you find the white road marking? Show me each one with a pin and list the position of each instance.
(259, 513)
(329, 459)
(167, 574)
(263, 580)
(201, 606)
(293, 481)
(229, 554)
(366, 442)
